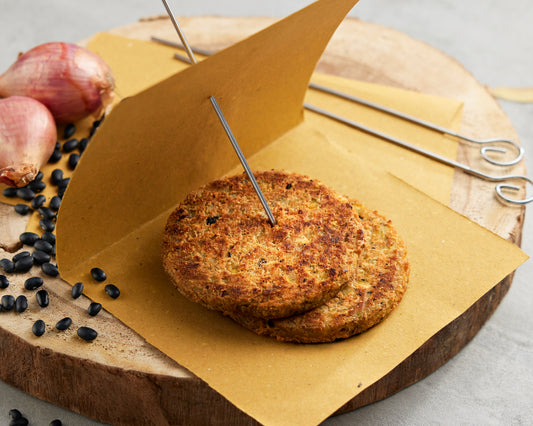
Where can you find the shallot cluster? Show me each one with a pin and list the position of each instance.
(50, 84)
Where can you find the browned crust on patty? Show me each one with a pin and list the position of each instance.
(381, 283)
(221, 251)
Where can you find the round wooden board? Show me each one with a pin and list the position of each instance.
(121, 379)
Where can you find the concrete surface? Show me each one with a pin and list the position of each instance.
(490, 382)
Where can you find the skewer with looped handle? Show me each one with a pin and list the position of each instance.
(488, 145)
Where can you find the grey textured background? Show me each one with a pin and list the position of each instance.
(489, 382)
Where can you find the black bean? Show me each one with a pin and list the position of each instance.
(64, 323)
(20, 255)
(77, 290)
(96, 123)
(71, 145)
(24, 264)
(39, 176)
(87, 333)
(25, 193)
(49, 269)
(39, 328)
(83, 144)
(73, 160)
(69, 130)
(55, 203)
(4, 282)
(28, 238)
(22, 209)
(55, 157)
(43, 245)
(47, 225)
(57, 176)
(46, 213)
(10, 192)
(112, 291)
(94, 308)
(8, 302)
(33, 283)
(7, 265)
(22, 421)
(40, 257)
(49, 238)
(37, 185)
(38, 201)
(43, 299)
(15, 414)
(21, 303)
(63, 183)
(98, 274)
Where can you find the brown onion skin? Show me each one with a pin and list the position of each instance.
(28, 136)
(71, 81)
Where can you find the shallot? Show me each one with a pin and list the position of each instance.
(28, 135)
(71, 81)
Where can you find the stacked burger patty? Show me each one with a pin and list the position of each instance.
(330, 268)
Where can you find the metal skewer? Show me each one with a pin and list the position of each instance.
(484, 150)
(488, 144)
(500, 187)
(223, 121)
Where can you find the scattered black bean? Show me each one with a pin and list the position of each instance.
(38, 328)
(43, 245)
(112, 291)
(8, 302)
(4, 282)
(7, 265)
(40, 257)
(69, 130)
(57, 176)
(64, 323)
(87, 333)
(24, 264)
(23, 421)
(55, 157)
(94, 308)
(25, 193)
(37, 185)
(49, 237)
(83, 144)
(50, 269)
(98, 274)
(21, 303)
(38, 201)
(10, 192)
(55, 203)
(71, 145)
(96, 123)
(43, 299)
(39, 175)
(46, 213)
(47, 225)
(22, 209)
(63, 183)
(73, 160)
(28, 238)
(20, 255)
(77, 290)
(33, 283)
(15, 414)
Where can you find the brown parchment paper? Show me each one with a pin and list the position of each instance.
(165, 141)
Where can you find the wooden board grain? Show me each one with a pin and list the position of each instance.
(123, 380)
